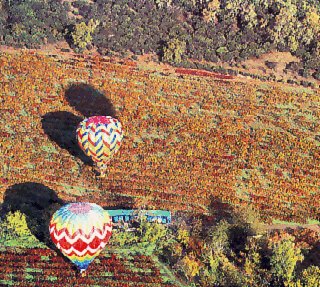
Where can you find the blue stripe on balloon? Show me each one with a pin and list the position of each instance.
(99, 149)
(98, 141)
(114, 138)
(100, 156)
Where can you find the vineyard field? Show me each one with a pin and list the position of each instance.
(191, 141)
(43, 267)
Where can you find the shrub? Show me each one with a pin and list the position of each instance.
(190, 266)
(284, 260)
(311, 277)
(14, 231)
(316, 75)
(15, 224)
(173, 51)
(82, 34)
(271, 65)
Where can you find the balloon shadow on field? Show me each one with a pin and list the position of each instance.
(119, 201)
(61, 128)
(89, 101)
(38, 202)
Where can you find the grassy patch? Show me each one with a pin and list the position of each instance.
(313, 221)
(52, 278)
(49, 149)
(285, 222)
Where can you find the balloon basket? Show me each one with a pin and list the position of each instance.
(102, 172)
(83, 273)
(101, 175)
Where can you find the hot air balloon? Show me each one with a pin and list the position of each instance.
(80, 230)
(100, 138)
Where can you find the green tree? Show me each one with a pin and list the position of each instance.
(16, 224)
(163, 3)
(221, 271)
(14, 231)
(284, 260)
(183, 236)
(174, 50)
(311, 277)
(151, 235)
(255, 275)
(190, 266)
(313, 19)
(124, 238)
(218, 237)
(210, 12)
(213, 255)
(211, 274)
(248, 16)
(82, 34)
(249, 218)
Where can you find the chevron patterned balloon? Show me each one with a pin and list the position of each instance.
(80, 230)
(100, 138)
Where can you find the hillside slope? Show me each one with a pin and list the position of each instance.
(191, 143)
(42, 267)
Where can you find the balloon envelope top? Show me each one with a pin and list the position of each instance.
(80, 230)
(105, 120)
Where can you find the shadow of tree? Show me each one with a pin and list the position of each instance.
(312, 257)
(119, 201)
(220, 210)
(89, 101)
(61, 128)
(239, 229)
(38, 202)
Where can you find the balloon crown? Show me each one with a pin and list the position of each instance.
(101, 120)
(79, 207)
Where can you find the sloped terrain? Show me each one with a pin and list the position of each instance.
(43, 267)
(191, 143)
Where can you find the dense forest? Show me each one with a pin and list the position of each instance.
(176, 30)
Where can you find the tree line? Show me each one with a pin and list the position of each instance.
(177, 30)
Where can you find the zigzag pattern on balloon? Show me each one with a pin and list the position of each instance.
(100, 137)
(81, 242)
(87, 251)
(88, 257)
(53, 228)
(63, 233)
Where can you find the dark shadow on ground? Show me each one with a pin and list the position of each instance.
(61, 128)
(119, 201)
(38, 202)
(89, 101)
(311, 258)
(239, 230)
(220, 210)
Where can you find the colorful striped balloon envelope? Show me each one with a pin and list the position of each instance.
(80, 230)
(100, 138)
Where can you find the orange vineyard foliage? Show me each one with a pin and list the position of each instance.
(46, 268)
(189, 140)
